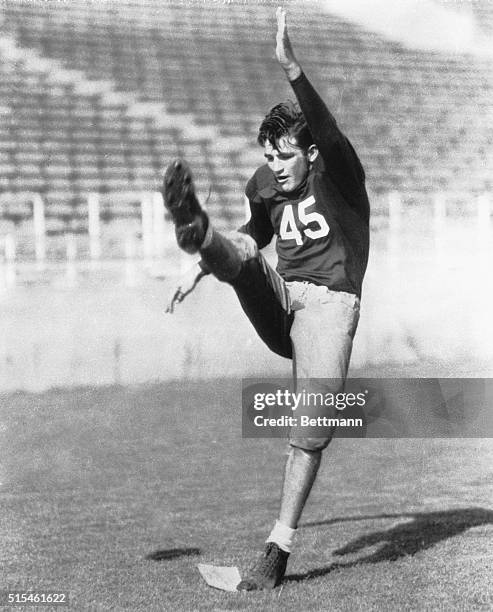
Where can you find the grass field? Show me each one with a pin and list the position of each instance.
(115, 494)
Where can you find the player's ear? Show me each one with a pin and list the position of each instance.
(312, 153)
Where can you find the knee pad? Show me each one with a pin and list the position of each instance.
(225, 255)
(245, 245)
(311, 444)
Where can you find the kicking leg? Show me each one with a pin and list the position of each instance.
(194, 233)
(234, 259)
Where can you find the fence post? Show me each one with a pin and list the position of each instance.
(39, 229)
(94, 226)
(10, 248)
(158, 224)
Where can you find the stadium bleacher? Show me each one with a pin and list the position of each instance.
(480, 10)
(421, 121)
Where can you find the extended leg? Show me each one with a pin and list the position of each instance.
(193, 230)
(233, 259)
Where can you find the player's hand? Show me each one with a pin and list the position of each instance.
(284, 50)
(186, 285)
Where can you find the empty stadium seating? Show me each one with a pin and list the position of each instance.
(420, 121)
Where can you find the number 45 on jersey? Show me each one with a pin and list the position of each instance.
(289, 228)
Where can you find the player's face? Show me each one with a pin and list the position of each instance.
(288, 163)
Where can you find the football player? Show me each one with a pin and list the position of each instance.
(310, 193)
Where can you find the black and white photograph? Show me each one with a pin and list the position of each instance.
(246, 349)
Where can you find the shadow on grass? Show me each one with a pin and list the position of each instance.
(172, 553)
(422, 531)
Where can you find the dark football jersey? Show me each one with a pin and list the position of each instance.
(321, 228)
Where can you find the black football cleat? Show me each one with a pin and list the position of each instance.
(268, 572)
(179, 198)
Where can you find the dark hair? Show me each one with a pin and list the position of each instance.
(285, 119)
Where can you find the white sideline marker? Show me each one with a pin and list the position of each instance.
(223, 578)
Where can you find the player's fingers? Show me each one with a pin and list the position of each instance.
(281, 21)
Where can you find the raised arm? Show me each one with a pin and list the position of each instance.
(341, 162)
